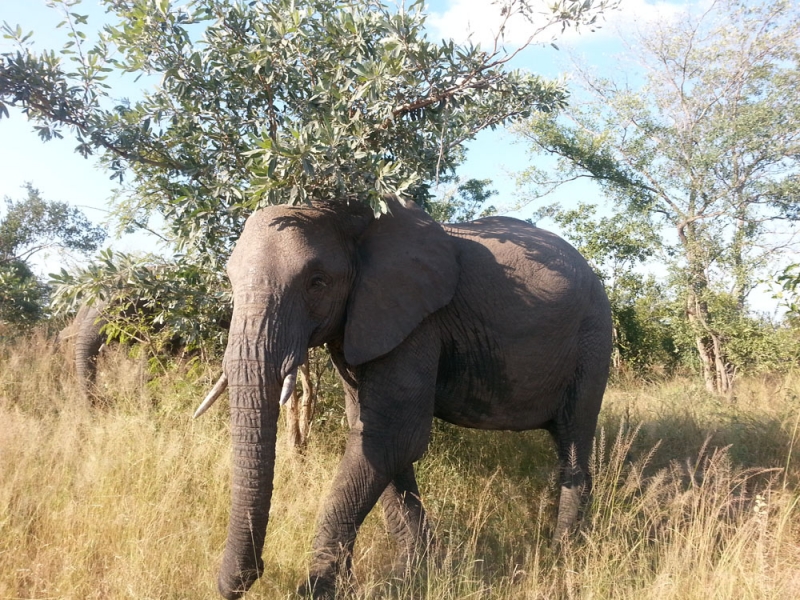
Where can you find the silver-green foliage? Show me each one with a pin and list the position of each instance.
(281, 101)
(149, 300)
(271, 102)
(702, 135)
(28, 227)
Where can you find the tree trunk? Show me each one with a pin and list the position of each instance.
(300, 411)
(709, 343)
(710, 347)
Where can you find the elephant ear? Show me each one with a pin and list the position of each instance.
(408, 269)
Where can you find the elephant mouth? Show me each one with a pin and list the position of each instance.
(222, 384)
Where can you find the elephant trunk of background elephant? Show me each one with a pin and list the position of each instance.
(255, 375)
(88, 340)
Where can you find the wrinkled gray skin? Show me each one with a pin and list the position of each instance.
(84, 332)
(493, 324)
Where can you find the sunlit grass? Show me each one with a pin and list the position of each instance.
(695, 497)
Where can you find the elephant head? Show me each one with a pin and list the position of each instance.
(302, 277)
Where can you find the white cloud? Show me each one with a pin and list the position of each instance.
(480, 21)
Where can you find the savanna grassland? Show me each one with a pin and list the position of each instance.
(695, 496)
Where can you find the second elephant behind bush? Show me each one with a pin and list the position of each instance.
(85, 340)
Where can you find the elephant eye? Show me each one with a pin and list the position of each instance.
(318, 281)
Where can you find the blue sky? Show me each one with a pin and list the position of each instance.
(61, 174)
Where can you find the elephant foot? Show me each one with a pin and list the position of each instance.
(317, 587)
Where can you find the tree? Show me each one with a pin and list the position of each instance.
(464, 202)
(270, 102)
(22, 296)
(28, 227)
(146, 299)
(708, 144)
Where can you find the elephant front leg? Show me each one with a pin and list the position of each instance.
(374, 458)
(405, 518)
(390, 415)
(356, 488)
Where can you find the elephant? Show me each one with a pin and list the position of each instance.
(492, 324)
(120, 308)
(86, 330)
(85, 333)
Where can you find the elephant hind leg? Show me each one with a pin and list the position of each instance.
(576, 484)
(405, 517)
(573, 426)
(573, 430)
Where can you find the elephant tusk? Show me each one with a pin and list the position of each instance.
(288, 386)
(215, 393)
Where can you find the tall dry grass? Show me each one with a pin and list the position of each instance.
(695, 497)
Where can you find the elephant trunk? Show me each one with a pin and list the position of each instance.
(88, 341)
(255, 376)
(254, 422)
